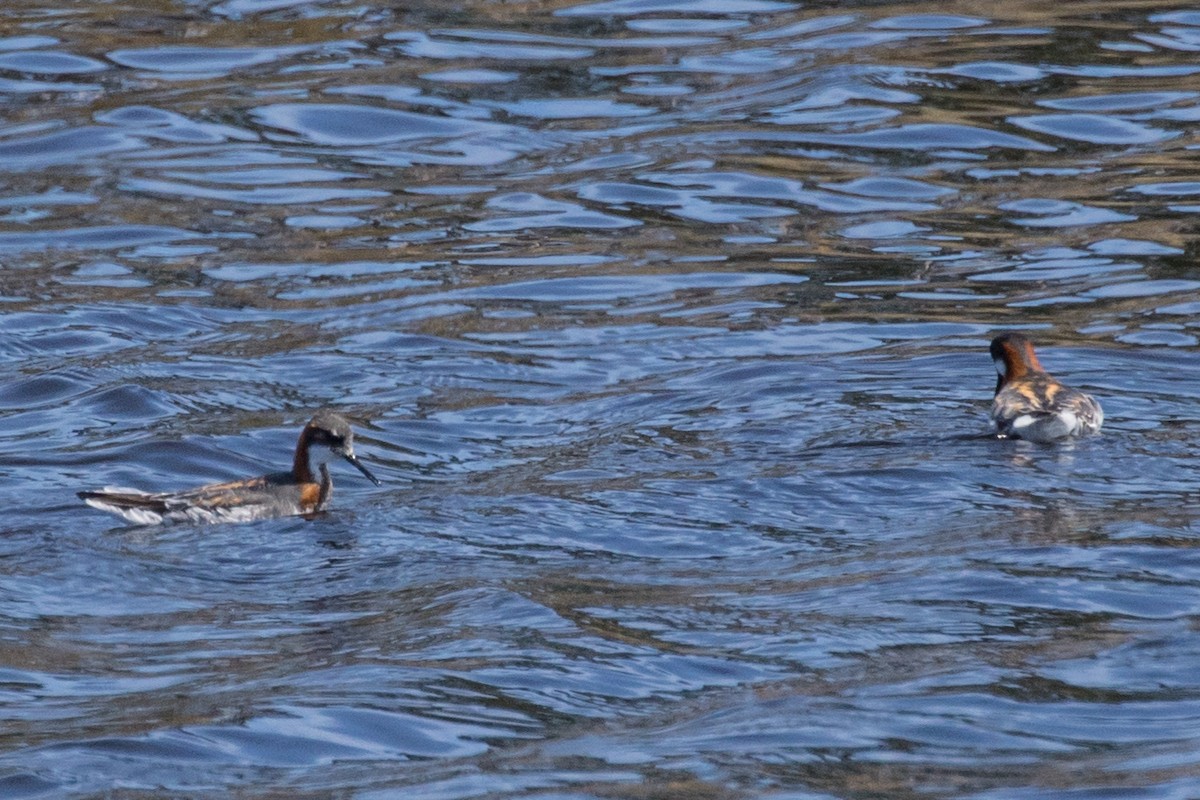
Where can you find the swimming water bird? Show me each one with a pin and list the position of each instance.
(276, 495)
(1030, 404)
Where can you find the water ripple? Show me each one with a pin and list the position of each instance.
(191, 60)
(105, 237)
(637, 7)
(340, 125)
(1093, 128)
(62, 147)
(48, 62)
(929, 137)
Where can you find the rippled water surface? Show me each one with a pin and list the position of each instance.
(665, 324)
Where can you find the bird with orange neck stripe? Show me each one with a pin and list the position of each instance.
(1030, 403)
(275, 495)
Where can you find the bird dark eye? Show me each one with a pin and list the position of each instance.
(328, 439)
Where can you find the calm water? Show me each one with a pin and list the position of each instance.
(665, 324)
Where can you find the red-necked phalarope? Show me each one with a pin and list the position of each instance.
(279, 494)
(1032, 405)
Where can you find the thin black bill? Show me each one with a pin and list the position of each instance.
(354, 460)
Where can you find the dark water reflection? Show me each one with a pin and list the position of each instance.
(666, 324)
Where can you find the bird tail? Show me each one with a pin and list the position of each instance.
(140, 508)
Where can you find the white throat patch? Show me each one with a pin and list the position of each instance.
(321, 455)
